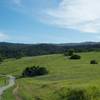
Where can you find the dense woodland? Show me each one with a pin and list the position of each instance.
(13, 50)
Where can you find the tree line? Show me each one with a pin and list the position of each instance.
(11, 50)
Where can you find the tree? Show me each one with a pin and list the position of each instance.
(1, 59)
(75, 57)
(93, 62)
(70, 52)
(34, 71)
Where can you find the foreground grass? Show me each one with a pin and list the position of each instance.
(63, 73)
(3, 81)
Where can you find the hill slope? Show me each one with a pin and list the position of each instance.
(62, 73)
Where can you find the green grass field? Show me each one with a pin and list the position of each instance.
(63, 73)
(3, 81)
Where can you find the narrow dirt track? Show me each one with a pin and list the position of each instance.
(11, 82)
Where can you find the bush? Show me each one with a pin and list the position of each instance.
(34, 71)
(77, 95)
(70, 52)
(73, 94)
(75, 57)
(1, 59)
(91, 93)
(93, 62)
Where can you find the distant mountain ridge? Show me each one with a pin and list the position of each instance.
(81, 43)
(14, 49)
(87, 42)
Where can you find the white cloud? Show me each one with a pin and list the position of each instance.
(3, 36)
(82, 15)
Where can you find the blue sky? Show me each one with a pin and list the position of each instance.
(49, 21)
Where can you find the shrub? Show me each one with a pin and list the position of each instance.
(1, 59)
(75, 57)
(70, 52)
(91, 93)
(73, 94)
(77, 95)
(34, 71)
(93, 62)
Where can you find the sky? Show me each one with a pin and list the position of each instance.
(49, 21)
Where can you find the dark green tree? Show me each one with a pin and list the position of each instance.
(34, 71)
(70, 52)
(75, 57)
(93, 62)
(1, 59)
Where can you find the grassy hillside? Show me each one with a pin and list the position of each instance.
(62, 73)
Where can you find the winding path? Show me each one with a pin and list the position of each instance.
(11, 82)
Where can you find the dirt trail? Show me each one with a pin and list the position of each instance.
(11, 82)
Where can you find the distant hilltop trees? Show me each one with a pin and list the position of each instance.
(71, 54)
(10, 50)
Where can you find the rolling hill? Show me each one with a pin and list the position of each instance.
(63, 73)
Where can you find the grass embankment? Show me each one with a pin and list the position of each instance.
(63, 73)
